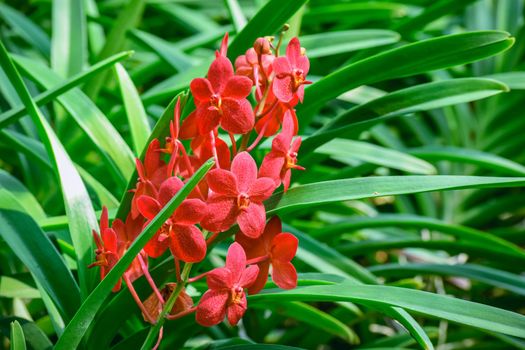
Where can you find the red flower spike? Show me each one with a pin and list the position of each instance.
(226, 296)
(290, 73)
(273, 116)
(221, 99)
(278, 164)
(126, 234)
(237, 195)
(279, 248)
(179, 232)
(256, 64)
(224, 45)
(107, 248)
(151, 174)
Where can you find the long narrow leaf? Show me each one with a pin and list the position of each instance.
(81, 321)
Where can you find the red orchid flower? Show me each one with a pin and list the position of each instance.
(226, 296)
(272, 118)
(172, 141)
(256, 64)
(107, 248)
(179, 232)
(290, 73)
(237, 195)
(278, 164)
(111, 246)
(151, 174)
(126, 233)
(221, 99)
(276, 248)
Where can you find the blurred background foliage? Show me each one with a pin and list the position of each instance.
(452, 114)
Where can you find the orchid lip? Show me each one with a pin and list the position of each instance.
(243, 201)
(236, 294)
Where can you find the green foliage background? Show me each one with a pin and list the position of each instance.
(412, 101)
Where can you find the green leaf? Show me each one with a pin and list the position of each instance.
(169, 53)
(14, 114)
(333, 43)
(22, 194)
(266, 21)
(326, 259)
(347, 151)
(237, 17)
(514, 80)
(13, 288)
(41, 259)
(434, 305)
(314, 318)
(410, 100)
(76, 199)
(436, 10)
(28, 30)
(355, 13)
(18, 341)
(34, 336)
(190, 19)
(138, 120)
(103, 134)
(488, 275)
(462, 233)
(411, 59)
(342, 190)
(483, 160)
(128, 18)
(36, 150)
(69, 40)
(256, 347)
(76, 329)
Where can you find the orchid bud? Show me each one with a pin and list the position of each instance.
(262, 46)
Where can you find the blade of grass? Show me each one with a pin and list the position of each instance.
(408, 60)
(138, 120)
(28, 30)
(18, 341)
(76, 199)
(127, 19)
(338, 42)
(69, 39)
(488, 275)
(41, 259)
(306, 196)
(236, 15)
(89, 117)
(14, 114)
(434, 305)
(343, 150)
(413, 99)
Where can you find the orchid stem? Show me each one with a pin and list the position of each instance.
(181, 314)
(149, 278)
(136, 297)
(259, 137)
(257, 260)
(167, 308)
(214, 149)
(161, 332)
(177, 270)
(234, 143)
(196, 278)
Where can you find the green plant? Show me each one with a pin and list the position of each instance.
(411, 101)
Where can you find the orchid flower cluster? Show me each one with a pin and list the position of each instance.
(231, 195)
